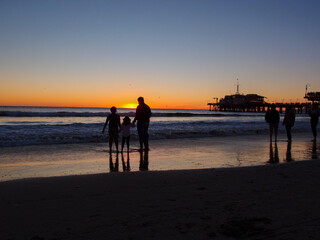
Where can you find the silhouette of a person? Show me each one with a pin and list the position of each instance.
(272, 118)
(314, 114)
(143, 114)
(125, 130)
(288, 121)
(113, 120)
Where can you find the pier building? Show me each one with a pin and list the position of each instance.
(256, 103)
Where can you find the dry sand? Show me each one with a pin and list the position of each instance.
(280, 201)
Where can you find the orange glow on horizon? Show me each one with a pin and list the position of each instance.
(130, 105)
(97, 105)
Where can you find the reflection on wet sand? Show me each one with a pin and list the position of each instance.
(114, 167)
(288, 154)
(144, 160)
(125, 159)
(282, 151)
(125, 165)
(273, 156)
(314, 154)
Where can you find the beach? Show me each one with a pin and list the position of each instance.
(264, 202)
(203, 188)
(165, 154)
(205, 177)
(208, 93)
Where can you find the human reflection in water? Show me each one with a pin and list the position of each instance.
(274, 157)
(114, 167)
(288, 154)
(314, 154)
(144, 160)
(125, 165)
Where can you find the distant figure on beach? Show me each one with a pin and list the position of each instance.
(314, 114)
(288, 121)
(113, 120)
(143, 114)
(272, 117)
(125, 130)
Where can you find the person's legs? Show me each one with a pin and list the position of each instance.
(146, 136)
(113, 136)
(140, 133)
(275, 131)
(122, 143)
(143, 135)
(128, 143)
(288, 129)
(116, 141)
(270, 131)
(110, 142)
(314, 129)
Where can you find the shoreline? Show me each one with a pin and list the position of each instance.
(167, 154)
(278, 201)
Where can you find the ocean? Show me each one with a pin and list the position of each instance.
(48, 141)
(23, 126)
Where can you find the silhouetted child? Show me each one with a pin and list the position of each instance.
(114, 124)
(125, 129)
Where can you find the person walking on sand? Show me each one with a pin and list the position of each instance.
(114, 125)
(288, 121)
(272, 118)
(143, 114)
(125, 130)
(314, 114)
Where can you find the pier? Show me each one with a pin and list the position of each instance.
(258, 107)
(256, 103)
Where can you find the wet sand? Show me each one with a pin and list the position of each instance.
(168, 154)
(276, 201)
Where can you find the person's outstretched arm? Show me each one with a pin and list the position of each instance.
(105, 124)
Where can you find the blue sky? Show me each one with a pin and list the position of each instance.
(175, 53)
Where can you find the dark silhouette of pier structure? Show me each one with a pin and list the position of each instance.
(258, 107)
(255, 103)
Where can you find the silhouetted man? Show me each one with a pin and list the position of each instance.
(143, 114)
(314, 114)
(272, 117)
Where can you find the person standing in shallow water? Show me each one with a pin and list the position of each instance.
(125, 129)
(272, 117)
(288, 121)
(143, 114)
(114, 125)
(314, 114)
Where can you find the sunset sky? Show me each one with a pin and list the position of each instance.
(177, 54)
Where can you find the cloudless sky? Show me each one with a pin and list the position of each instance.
(177, 54)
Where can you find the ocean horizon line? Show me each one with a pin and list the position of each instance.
(16, 106)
